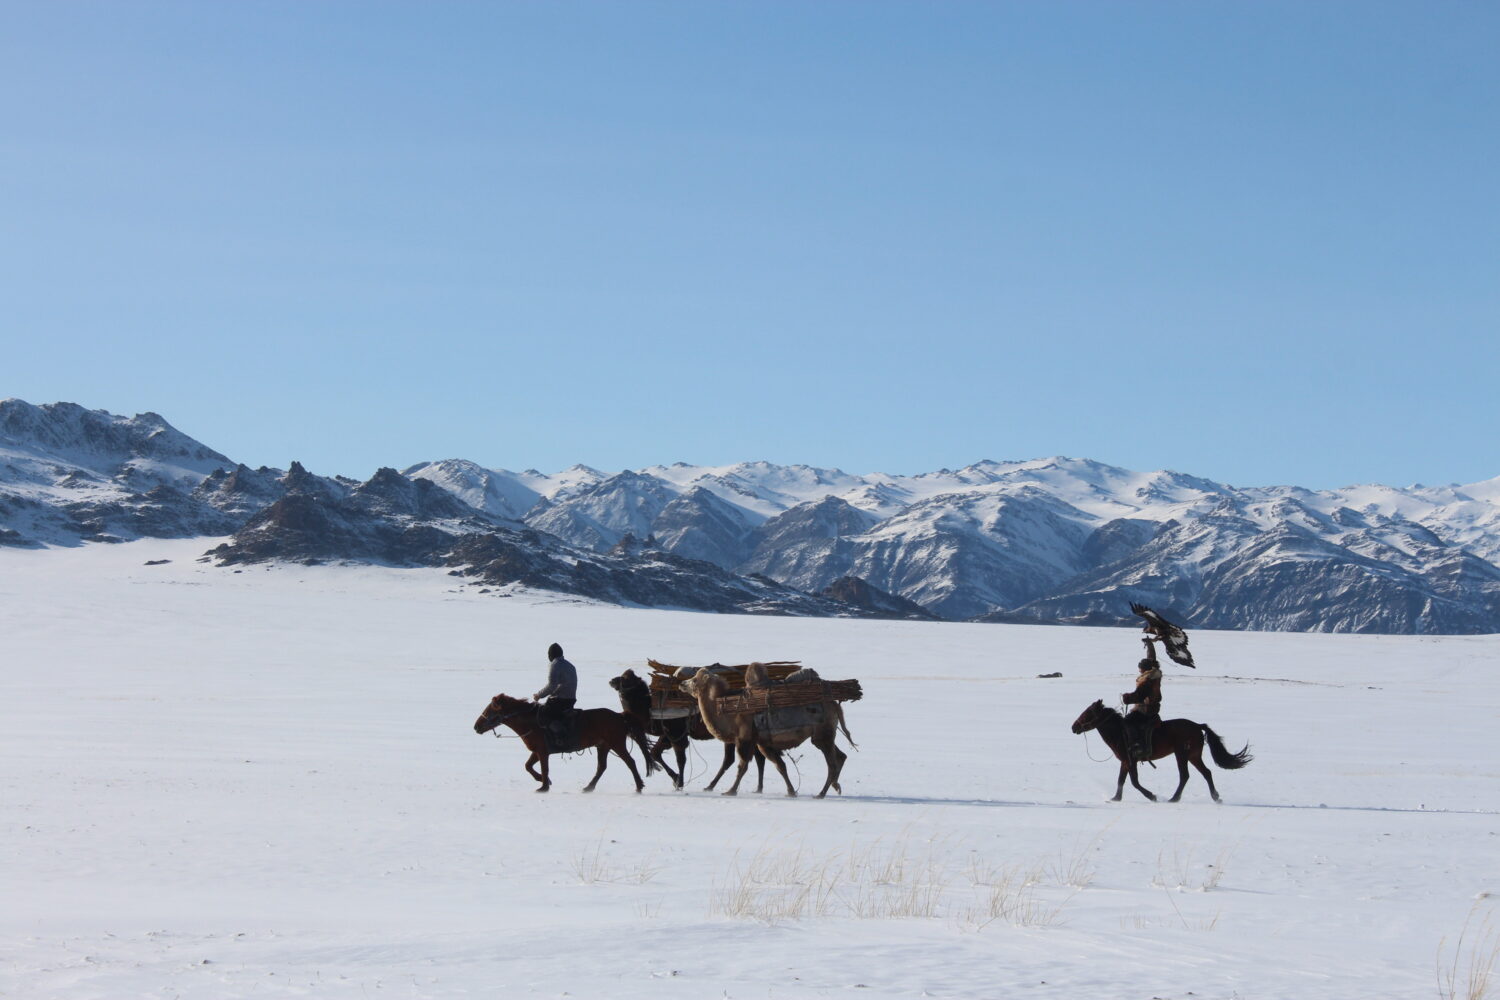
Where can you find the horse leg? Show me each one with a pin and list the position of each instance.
(623, 749)
(1182, 774)
(1120, 785)
(546, 778)
(1197, 758)
(531, 766)
(603, 761)
(1136, 781)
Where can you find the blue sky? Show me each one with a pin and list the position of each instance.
(1254, 242)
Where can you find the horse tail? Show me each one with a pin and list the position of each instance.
(638, 733)
(1222, 757)
(840, 709)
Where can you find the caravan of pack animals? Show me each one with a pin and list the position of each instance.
(761, 710)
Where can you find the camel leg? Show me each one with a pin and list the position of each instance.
(624, 752)
(1182, 774)
(744, 754)
(1136, 781)
(659, 754)
(774, 756)
(546, 778)
(833, 763)
(760, 772)
(728, 759)
(680, 748)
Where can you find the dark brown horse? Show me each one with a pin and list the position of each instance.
(1173, 736)
(635, 699)
(598, 728)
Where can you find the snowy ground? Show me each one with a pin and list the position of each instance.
(266, 783)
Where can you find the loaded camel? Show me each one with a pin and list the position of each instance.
(635, 700)
(823, 721)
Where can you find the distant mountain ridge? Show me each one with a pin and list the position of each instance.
(1055, 540)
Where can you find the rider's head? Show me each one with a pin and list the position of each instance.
(554, 652)
(1145, 665)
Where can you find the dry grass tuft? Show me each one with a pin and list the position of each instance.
(883, 881)
(1470, 973)
(1178, 871)
(592, 868)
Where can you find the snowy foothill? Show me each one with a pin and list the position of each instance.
(220, 783)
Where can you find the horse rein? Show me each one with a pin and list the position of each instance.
(495, 729)
(1090, 753)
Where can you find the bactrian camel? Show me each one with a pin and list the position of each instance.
(739, 730)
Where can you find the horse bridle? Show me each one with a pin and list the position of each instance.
(495, 729)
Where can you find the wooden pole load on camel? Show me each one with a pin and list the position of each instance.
(781, 690)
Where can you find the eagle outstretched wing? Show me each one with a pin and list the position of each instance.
(1173, 639)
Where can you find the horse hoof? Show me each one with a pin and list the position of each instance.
(542, 789)
(731, 792)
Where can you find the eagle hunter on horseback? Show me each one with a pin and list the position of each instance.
(1141, 735)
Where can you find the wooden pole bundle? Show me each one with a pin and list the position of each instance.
(667, 695)
(761, 699)
(734, 676)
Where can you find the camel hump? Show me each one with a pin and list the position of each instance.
(756, 676)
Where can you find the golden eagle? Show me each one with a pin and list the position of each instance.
(1173, 639)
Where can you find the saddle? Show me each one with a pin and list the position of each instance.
(561, 735)
(1140, 733)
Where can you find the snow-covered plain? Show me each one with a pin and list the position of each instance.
(219, 783)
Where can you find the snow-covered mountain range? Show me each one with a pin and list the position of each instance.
(1055, 540)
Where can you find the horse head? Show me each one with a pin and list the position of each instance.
(1089, 718)
(500, 708)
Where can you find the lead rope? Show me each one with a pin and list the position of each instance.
(1096, 760)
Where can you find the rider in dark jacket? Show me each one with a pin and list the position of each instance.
(561, 692)
(1145, 704)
